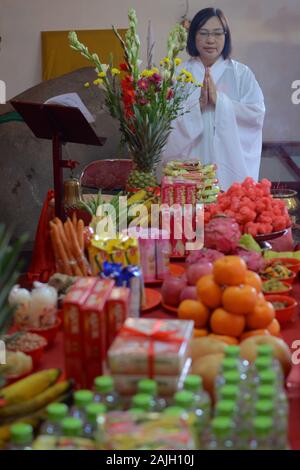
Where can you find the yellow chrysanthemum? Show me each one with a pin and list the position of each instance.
(177, 61)
(98, 81)
(115, 71)
(146, 73)
(101, 74)
(86, 85)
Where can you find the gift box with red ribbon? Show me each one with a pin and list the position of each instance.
(150, 347)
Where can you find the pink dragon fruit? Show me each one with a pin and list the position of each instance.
(222, 233)
(253, 259)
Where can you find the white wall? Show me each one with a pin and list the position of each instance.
(265, 34)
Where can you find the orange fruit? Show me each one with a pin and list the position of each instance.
(209, 292)
(274, 327)
(193, 310)
(261, 316)
(248, 334)
(254, 280)
(199, 333)
(226, 323)
(224, 338)
(239, 299)
(230, 270)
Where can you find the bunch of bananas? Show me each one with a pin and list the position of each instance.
(26, 400)
(137, 208)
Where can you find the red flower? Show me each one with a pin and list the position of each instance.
(170, 94)
(143, 84)
(128, 95)
(124, 67)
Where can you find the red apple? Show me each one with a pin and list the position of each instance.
(189, 292)
(171, 290)
(197, 270)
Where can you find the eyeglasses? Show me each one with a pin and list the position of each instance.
(214, 34)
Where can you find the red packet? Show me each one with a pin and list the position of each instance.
(116, 313)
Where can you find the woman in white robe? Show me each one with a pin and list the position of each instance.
(225, 117)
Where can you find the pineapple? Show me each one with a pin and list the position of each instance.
(141, 179)
(9, 273)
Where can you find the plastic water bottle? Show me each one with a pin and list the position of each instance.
(142, 401)
(82, 398)
(185, 399)
(266, 350)
(228, 364)
(174, 411)
(21, 437)
(262, 434)
(149, 386)
(105, 393)
(229, 392)
(233, 351)
(94, 420)
(226, 408)
(267, 377)
(222, 434)
(56, 412)
(72, 427)
(193, 383)
(266, 392)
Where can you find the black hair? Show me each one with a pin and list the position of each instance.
(198, 21)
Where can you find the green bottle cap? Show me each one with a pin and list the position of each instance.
(232, 377)
(56, 412)
(230, 363)
(193, 383)
(266, 392)
(135, 410)
(262, 425)
(267, 377)
(225, 408)
(82, 398)
(222, 426)
(93, 410)
(21, 433)
(229, 392)
(264, 350)
(142, 401)
(104, 384)
(264, 408)
(263, 363)
(174, 411)
(71, 427)
(147, 386)
(184, 399)
(232, 351)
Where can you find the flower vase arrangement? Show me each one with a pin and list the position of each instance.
(144, 101)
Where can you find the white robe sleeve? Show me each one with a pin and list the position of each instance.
(238, 131)
(186, 130)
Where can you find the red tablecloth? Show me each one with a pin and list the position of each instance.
(54, 357)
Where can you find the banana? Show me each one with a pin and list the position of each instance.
(29, 387)
(39, 401)
(138, 197)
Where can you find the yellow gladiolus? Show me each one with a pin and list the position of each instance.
(101, 74)
(115, 71)
(99, 81)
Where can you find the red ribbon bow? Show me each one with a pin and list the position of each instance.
(155, 335)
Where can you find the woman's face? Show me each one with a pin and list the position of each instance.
(210, 46)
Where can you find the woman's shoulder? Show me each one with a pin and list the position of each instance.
(240, 69)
